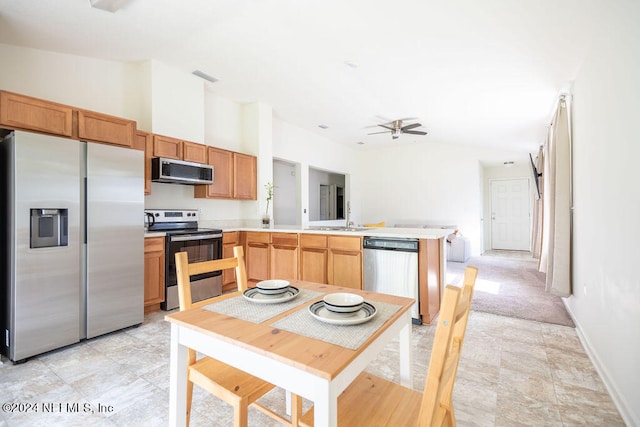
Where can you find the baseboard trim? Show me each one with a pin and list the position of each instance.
(621, 404)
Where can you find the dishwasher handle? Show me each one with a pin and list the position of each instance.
(390, 244)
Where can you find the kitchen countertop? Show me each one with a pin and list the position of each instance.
(416, 233)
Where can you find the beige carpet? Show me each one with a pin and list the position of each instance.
(509, 284)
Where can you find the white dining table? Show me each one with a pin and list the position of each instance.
(309, 367)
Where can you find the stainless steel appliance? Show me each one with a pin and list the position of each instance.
(200, 244)
(180, 172)
(72, 241)
(391, 267)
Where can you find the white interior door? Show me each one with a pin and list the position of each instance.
(510, 214)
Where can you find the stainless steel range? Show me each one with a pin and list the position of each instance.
(200, 244)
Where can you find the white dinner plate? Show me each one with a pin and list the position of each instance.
(254, 295)
(320, 312)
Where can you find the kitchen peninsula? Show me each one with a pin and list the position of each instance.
(333, 255)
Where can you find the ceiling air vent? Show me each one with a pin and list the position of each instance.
(205, 76)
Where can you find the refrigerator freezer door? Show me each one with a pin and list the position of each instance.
(115, 238)
(45, 282)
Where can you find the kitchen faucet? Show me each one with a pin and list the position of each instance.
(349, 223)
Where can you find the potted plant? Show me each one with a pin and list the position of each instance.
(266, 219)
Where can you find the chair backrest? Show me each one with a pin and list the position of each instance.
(437, 406)
(184, 270)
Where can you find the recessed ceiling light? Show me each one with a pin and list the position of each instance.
(360, 143)
(205, 76)
(323, 126)
(350, 64)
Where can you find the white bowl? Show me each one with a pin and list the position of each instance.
(343, 302)
(272, 287)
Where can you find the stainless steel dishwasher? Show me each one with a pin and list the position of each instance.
(391, 267)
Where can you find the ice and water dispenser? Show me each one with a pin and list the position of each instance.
(49, 228)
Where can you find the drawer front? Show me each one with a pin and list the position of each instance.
(284, 239)
(230, 237)
(153, 244)
(257, 237)
(346, 243)
(313, 241)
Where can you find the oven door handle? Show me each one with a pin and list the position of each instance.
(194, 237)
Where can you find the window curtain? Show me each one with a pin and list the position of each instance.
(555, 253)
(536, 229)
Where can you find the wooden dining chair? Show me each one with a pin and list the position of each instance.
(227, 383)
(374, 401)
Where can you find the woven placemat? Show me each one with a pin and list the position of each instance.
(349, 336)
(240, 308)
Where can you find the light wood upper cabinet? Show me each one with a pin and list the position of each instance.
(98, 127)
(245, 175)
(153, 273)
(345, 261)
(144, 141)
(234, 176)
(27, 113)
(194, 152)
(165, 146)
(174, 148)
(222, 187)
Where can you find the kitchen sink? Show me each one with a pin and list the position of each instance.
(338, 228)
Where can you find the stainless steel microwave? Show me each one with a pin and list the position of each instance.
(180, 172)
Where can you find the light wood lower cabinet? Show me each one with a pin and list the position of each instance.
(345, 261)
(257, 256)
(336, 260)
(313, 258)
(429, 277)
(229, 240)
(271, 256)
(153, 273)
(283, 254)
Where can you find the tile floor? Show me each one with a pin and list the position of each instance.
(513, 372)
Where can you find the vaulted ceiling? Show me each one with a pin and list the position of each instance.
(471, 72)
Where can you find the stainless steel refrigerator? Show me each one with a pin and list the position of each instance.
(73, 241)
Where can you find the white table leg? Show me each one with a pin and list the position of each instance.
(177, 380)
(325, 411)
(406, 356)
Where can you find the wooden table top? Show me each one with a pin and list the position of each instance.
(318, 357)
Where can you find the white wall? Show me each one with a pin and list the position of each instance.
(606, 283)
(176, 103)
(108, 87)
(296, 145)
(426, 183)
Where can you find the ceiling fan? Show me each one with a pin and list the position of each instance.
(396, 128)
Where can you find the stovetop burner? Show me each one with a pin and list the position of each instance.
(176, 222)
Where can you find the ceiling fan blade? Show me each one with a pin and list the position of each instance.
(411, 126)
(386, 127)
(415, 132)
(375, 133)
